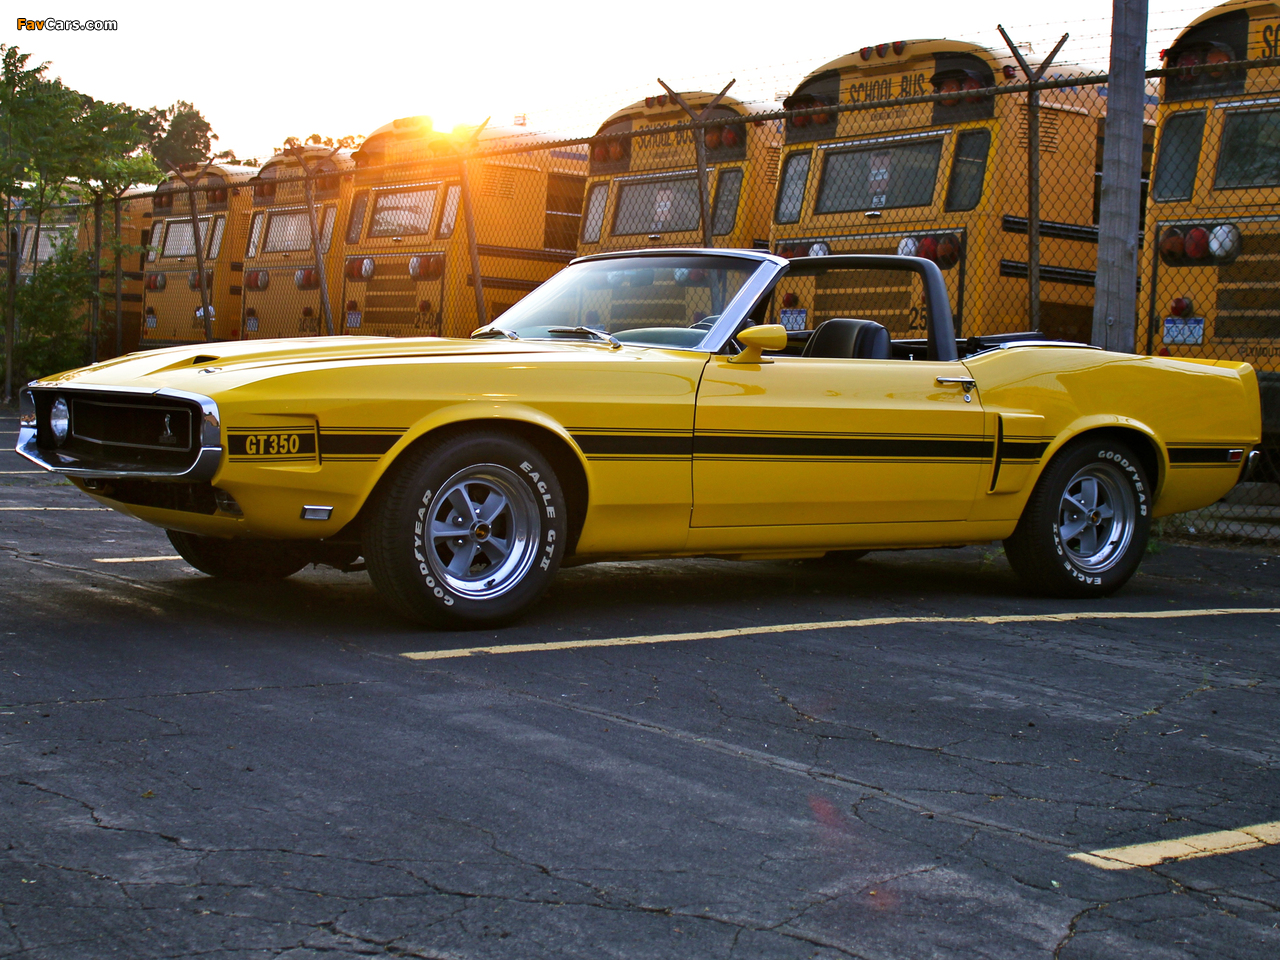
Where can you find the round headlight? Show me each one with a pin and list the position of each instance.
(60, 420)
(819, 249)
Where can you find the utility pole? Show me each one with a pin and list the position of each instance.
(1115, 302)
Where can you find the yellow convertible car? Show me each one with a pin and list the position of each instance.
(652, 404)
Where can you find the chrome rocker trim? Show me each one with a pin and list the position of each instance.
(207, 461)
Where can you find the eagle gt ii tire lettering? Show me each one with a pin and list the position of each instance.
(467, 532)
(1084, 530)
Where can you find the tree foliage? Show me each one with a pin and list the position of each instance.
(179, 134)
(58, 145)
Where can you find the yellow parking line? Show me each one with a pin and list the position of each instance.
(14, 473)
(1187, 848)
(833, 625)
(42, 509)
(132, 559)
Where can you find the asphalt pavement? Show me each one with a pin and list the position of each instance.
(905, 757)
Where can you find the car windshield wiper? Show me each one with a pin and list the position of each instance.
(590, 331)
(486, 332)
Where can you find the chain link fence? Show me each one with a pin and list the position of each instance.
(995, 179)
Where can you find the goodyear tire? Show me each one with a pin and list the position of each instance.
(1084, 530)
(241, 560)
(467, 532)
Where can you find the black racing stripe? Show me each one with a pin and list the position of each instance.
(868, 447)
(336, 444)
(1023, 449)
(1201, 455)
(637, 445)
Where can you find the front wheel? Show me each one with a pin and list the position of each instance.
(1084, 530)
(467, 532)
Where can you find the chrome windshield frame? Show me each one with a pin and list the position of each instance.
(768, 267)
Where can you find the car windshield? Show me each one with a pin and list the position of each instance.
(661, 300)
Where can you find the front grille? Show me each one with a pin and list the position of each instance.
(115, 432)
(131, 424)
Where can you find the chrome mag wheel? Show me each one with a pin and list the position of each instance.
(1096, 517)
(483, 531)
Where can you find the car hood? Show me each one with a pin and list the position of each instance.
(203, 367)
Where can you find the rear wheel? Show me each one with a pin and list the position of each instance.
(1084, 530)
(467, 532)
(241, 560)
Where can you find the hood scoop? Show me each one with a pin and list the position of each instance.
(203, 358)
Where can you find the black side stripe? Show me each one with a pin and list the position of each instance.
(1024, 449)
(868, 447)
(356, 444)
(1209, 455)
(637, 445)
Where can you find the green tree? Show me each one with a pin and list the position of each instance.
(179, 134)
(53, 299)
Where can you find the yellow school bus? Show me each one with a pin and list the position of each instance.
(171, 285)
(1211, 257)
(282, 281)
(643, 190)
(945, 180)
(406, 267)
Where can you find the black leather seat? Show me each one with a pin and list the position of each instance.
(843, 339)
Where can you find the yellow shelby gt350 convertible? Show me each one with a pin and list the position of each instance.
(652, 404)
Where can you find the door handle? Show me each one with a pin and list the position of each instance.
(968, 383)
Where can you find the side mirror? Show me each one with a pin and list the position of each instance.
(769, 336)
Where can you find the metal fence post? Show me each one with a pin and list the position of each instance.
(700, 150)
(12, 255)
(1033, 176)
(307, 178)
(95, 309)
(1115, 303)
(473, 251)
(198, 242)
(119, 265)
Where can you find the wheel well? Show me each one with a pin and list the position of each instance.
(565, 462)
(1142, 445)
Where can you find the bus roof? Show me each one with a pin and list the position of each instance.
(421, 132)
(886, 56)
(663, 104)
(1253, 6)
(341, 159)
(230, 172)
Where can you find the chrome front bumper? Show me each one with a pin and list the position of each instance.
(209, 435)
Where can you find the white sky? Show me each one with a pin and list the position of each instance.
(267, 71)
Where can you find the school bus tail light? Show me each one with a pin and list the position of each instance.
(865, 53)
(426, 267)
(899, 47)
(1224, 241)
(307, 278)
(155, 281)
(908, 247)
(971, 83)
(950, 85)
(1181, 307)
(1171, 245)
(193, 279)
(361, 268)
(730, 137)
(257, 280)
(1196, 243)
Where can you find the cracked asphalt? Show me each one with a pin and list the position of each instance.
(191, 769)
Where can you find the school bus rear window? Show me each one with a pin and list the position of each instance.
(879, 177)
(287, 232)
(656, 206)
(403, 213)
